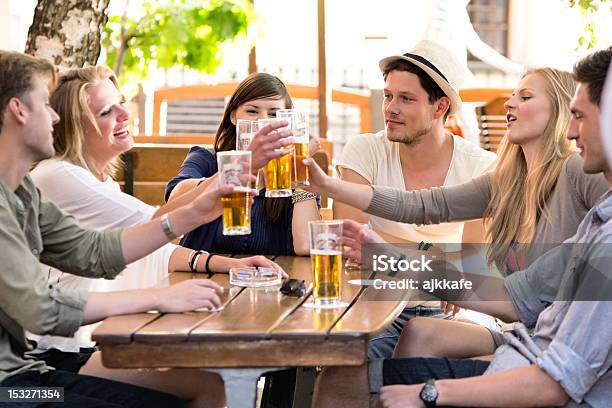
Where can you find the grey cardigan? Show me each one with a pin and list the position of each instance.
(572, 197)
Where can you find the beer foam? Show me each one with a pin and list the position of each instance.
(242, 189)
(229, 167)
(331, 252)
(326, 236)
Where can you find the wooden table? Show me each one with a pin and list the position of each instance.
(258, 330)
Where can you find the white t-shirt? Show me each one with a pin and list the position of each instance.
(377, 159)
(96, 205)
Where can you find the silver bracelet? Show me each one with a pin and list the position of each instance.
(167, 228)
(301, 195)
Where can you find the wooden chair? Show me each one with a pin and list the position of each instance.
(199, 108)
(154, 160)
(492, 123)
(148, 168)
(490, 114)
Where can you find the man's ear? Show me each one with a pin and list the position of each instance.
(18, 110)
(442, 106)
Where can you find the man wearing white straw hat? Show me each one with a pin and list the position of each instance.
(415, 151)
(567, 359)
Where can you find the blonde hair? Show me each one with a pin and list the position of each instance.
(70, 101)
(518, 200)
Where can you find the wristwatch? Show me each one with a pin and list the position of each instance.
(429, 393)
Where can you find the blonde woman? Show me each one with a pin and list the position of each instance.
(92, 133)
(537, 194)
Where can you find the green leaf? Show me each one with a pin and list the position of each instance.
(177, 33)
(588, 10)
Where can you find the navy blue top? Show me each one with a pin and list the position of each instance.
(265, 238)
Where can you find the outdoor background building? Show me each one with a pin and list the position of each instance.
(359, 33)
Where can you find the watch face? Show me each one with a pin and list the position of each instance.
(429, 393)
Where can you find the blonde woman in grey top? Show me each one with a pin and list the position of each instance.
(537, 193)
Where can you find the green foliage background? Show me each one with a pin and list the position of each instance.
(174, 33)
(588, 8)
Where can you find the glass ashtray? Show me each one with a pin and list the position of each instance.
(252, 277)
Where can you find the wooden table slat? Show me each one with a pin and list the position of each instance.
(120, 329)
(298, 267)
(235, 354)
(313, 323)
(373, 311)
(177, 277)
(250, 315)
(175, 327)
(256, 311)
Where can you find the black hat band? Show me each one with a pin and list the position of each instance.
(425, 62)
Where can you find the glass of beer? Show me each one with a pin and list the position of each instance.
(277, 172)
(299, 128)
(326, 262)
(245, 131)
(235, 169)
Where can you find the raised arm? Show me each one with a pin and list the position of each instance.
(498, 300)
(303, 211)
(140, 240)
(184, 192)
(201, 164)
(439, 204)
(346, 211)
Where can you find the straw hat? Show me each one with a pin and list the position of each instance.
(440, 64)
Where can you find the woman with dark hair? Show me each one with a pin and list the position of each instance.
(279, 225)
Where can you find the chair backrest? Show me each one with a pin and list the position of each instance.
(198, 109)
(147, 168)
(490, 113)
(492, 122)
(154, 160)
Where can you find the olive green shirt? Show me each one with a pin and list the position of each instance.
(32, 230)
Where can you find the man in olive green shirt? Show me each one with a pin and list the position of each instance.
(34, 229)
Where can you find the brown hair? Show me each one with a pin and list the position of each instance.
(16, 73)
(70, 101)
(434, 92)
(258, 85)
(592, 71)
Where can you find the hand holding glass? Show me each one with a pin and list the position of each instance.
(235, 169)
(299, 128)
(245, 131)
(277, 172)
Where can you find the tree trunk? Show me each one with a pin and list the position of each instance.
(68, 32)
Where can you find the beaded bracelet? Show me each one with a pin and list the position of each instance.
(301, 195)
